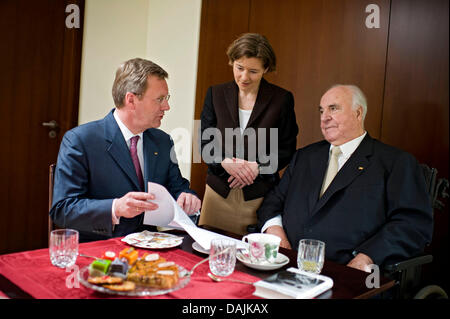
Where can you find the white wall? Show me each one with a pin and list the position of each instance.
(164, 31)
(114, 31)
(173, 37)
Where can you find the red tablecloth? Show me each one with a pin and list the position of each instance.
(33, 272)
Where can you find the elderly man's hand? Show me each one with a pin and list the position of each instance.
(361, 262)
(189, 203)
(279, 231)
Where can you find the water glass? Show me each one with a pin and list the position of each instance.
(63, 247)
(311, 255)
(222, 257)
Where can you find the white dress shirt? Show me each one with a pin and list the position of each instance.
(244, 116)
(347, 151)
(127, 134)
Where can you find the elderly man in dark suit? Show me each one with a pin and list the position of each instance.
(103, 166)
(366, 200)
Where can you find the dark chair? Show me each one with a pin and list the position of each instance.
(407, 274)
(51, 178)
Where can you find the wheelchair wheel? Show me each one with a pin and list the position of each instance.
(431, 292)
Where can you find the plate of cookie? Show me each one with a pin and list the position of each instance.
(152, 240)
(130, 275)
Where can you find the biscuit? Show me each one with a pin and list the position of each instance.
(125, 286)
(105, 280)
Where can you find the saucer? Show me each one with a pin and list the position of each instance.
(196, 246)
(281, 261)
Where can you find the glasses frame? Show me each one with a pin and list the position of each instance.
(160, 100)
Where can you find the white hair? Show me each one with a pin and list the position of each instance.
(358, 97)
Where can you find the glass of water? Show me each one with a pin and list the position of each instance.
(311, 255)
(222, 257)
(63, 247)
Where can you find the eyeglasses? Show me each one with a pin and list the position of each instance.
(161, 99)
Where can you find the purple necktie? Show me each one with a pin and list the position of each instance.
(134, 157)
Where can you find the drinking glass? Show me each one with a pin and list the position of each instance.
(311, 255)
(222, 257)
(63, 247)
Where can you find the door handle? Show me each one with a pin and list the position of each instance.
(51, 125)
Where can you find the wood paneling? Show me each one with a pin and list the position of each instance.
(317, 44)
(416, 101)
(321, 43)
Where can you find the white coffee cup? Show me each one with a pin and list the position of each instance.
(262, 247)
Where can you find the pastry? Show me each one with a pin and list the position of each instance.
(105, 280)
(99, 267)
(152, 272)
(130, 254)
(119, 267)
(110, 255)
(125, 286)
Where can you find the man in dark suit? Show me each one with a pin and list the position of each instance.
(374, 210)
(103, 166)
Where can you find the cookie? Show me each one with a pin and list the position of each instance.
(125, 286)
(105, 280)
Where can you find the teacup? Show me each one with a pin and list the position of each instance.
(262, 247)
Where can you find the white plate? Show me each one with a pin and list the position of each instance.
(196, 246)
(281, 261)
(152, 240)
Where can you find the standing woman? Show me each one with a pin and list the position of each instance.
(249, 133)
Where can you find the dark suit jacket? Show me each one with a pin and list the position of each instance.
(94, 166)
(274, 108)
(377, 204)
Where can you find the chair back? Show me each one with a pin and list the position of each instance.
(430, 180)
(51, 179)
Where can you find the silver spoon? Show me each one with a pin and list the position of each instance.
(215, 278)
(87, 256)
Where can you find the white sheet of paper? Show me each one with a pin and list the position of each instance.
(169, 214)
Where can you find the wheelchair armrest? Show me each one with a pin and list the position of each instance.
(253, 228)
(409, 263)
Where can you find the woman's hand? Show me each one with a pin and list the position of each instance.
(242, 172)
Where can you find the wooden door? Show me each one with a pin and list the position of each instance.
(39, 83)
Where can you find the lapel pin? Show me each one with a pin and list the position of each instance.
(360, 168)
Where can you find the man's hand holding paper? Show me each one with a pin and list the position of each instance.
(133, 204)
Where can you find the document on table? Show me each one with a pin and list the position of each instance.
(169, 214)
